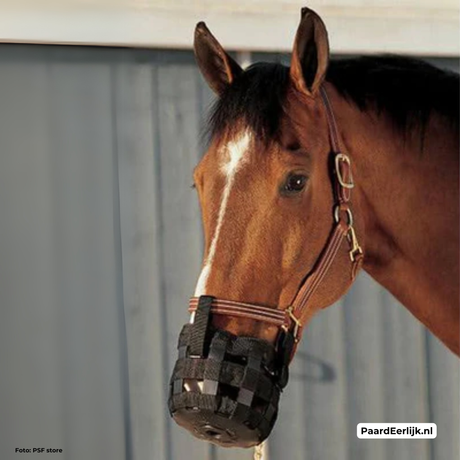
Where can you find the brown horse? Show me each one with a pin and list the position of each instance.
(265, 190)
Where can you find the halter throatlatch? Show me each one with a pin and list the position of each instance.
(224, 388)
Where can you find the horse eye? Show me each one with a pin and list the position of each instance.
(294, 183)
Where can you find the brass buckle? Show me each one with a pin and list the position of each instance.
(341, 157)
(297, 323)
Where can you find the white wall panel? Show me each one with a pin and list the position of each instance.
(355, 26)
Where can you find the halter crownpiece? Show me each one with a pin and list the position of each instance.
(224, 388)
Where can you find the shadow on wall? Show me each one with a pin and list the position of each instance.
(314, 369)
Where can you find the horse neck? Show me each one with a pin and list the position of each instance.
(408, 201)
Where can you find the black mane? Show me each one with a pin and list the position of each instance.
(405, 89)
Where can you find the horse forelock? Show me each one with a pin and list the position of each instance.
(255, 100)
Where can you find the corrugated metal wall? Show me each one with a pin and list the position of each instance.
(100, 248)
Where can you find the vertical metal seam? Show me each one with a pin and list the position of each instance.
(156, 133)
(124, 356)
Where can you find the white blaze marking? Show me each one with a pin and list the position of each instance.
(235, 153)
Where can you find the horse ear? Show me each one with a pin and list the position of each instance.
(217, 67)
(310, 55)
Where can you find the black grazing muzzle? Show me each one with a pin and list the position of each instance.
(225, 389)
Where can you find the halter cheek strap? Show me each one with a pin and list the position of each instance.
(342, 182)
(292, 319)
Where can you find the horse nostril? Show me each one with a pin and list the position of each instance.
(213, 432)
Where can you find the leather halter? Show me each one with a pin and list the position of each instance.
(292, 318)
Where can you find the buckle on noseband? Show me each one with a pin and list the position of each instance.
(297, 324)
(342, 158)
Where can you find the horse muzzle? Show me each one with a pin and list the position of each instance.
(225, 389)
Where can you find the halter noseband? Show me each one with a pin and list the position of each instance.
(292, 318)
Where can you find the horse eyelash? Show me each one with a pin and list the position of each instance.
(193, 186)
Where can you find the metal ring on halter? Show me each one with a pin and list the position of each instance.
(337, 211)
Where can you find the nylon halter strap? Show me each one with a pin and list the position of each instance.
(292, 318)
